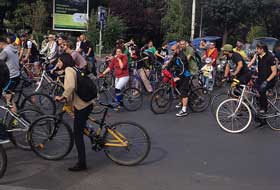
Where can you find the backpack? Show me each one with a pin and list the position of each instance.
(86, 89)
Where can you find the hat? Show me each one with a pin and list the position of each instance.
(51, 36)
(208, 60)
(227, 47)
(13, 38)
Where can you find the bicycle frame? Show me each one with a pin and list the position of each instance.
(14, 115)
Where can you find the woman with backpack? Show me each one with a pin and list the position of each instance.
(82, 109)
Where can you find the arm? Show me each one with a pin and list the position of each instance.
(89, 51)
(273, 74)
(238, 68)
(44, 49)
(215, 56)
(158, 55)
(3, 56)
(69, 84)
(53, 51)
(252, 61)
(123, 62)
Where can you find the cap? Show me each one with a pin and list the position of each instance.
(227, 47)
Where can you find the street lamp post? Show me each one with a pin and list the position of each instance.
(193, 20)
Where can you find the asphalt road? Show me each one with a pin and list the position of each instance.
(189, 153)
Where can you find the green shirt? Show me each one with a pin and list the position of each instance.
(129, 58)
(151, 50)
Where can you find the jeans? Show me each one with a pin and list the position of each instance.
(208, 83)
(92, 64)
(80, 119)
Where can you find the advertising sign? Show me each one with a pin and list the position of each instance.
(71, 15)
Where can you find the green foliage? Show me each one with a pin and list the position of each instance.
(114, 29)
(175, 24)
(256, 31)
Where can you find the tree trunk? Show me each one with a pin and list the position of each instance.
(225, 36)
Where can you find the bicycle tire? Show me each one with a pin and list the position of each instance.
(102, 67)
(44, 103)
(146, 144)
(20, 138)
(274, 122)
(161, 100)
(40, 148)
(132, 99)
(199, 100)
(217, 100)
(97, 107)
(3, 161)
(234, 102)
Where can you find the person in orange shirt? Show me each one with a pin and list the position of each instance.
(212, 53)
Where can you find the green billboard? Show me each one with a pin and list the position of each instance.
(70, 15)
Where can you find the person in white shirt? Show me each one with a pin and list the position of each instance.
(51, 48)
(207, 70)
(78, 44)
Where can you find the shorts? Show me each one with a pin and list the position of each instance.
(34, 59)
(244, 78)
(12, 85)
(183, 86)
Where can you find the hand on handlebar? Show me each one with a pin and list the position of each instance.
(60, 98)
(101, 75)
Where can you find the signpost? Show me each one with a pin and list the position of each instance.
(70, 15)
(101, 20)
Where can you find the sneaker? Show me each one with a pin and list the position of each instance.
(179, 105)
(182, 113)
(117, 108)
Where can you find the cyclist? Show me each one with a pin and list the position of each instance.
(87, 52)
(120, 66)
(82, 109)
(9, 55)
(239, 49)
(29, 53)
(267, 72)
(162, 53)
(241, 74)
(51, 49)
(179, 58)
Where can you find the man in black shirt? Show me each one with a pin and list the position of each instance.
(87, 52)
(241, 73)
(267, 72)
(162, 53)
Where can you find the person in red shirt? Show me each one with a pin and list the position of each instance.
(119, 64)
(212, 53)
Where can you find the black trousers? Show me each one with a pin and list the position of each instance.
(81, 117)
(263, 98)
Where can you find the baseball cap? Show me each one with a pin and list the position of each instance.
(227, 47)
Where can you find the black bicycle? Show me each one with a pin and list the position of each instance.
(125, 143)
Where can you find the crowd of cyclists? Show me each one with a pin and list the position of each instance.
(181, 59)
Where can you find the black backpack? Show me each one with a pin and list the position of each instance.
(86, 89)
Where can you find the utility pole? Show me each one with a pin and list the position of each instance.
(193, 20)
(201, 22)
(100, 40)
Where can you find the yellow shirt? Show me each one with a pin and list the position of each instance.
(242, 53)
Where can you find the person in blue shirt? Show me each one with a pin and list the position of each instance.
(180, 65)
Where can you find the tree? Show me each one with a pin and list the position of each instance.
(175, 23)
(226, 16)
(114, 29)
(256, 31)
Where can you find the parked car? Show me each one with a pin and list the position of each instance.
(269, 41)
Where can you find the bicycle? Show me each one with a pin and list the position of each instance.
(235, 115)
(17, 124)
(162, 98)
(107, 137)
(132, 99)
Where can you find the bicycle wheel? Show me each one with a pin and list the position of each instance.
(50, 139)
(199, 100)
(3, 161)
(274, 110)
(132, 99)
(230, 121)
(102, 67)
(137, 139)
(217, 100)
(97, 107)
(41, 101)
(161, 100)
(18, 131)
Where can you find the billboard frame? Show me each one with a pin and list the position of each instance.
(74, 30)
